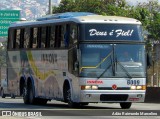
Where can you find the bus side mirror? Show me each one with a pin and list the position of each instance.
(76, 66)
(149, 60)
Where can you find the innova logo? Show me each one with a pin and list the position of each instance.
(94, 82)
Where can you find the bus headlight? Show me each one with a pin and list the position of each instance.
(89, 87)
(143, 87)
(133, 87)
(94, 87)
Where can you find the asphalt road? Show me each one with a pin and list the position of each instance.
(60, 110)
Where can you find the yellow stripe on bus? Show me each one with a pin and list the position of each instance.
(38, 73)
(93, 67)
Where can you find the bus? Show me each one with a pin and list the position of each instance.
(75, 57)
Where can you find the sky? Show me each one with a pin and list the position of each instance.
(134, 2)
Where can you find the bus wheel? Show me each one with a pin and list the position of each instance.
(2, 94)
(69, 100)
(125, 105)
(25, 95)
(32, 99)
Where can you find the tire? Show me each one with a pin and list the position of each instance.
(2, 94)
(69, 100)
(25, 95)
(32, 99)
(125, 105)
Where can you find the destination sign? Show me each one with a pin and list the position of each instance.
(113, 32)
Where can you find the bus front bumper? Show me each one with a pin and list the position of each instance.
(112, 96)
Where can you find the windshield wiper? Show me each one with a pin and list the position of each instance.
(105, 70)
(124, 69)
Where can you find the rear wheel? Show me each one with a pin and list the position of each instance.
(125, 105)
(32, 99)
(25, 95)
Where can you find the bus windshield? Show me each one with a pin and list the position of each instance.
(112, 60)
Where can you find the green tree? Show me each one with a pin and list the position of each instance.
(94, 6)
(3, 54)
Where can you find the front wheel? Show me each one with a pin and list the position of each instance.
(125, 105)
(69, 100)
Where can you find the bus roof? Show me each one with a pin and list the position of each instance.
(78, 17)
(64, 15)
(106, 19)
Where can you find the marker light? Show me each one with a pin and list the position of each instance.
(143, 87)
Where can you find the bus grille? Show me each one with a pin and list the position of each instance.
(113, 97)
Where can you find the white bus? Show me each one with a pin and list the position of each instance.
(76, 57)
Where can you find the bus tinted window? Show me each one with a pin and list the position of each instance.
(22, 38)
(17, 42)
(26, 37)
(63, 29)
(35, 43)
(73, 34)
(52, 37)
(43, 37)
(57, 36)
(11, 38)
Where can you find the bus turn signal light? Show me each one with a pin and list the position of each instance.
(143, 87)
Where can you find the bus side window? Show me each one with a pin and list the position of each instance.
(43, 37)
(35, 43)
(66, 36)
(22, 38)
(17, 43)
(58, 31)
(26, 37)
(52, 36)
(31, 38)
(63, 33)
(11, 38)
(14, 38)
(73, 34)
